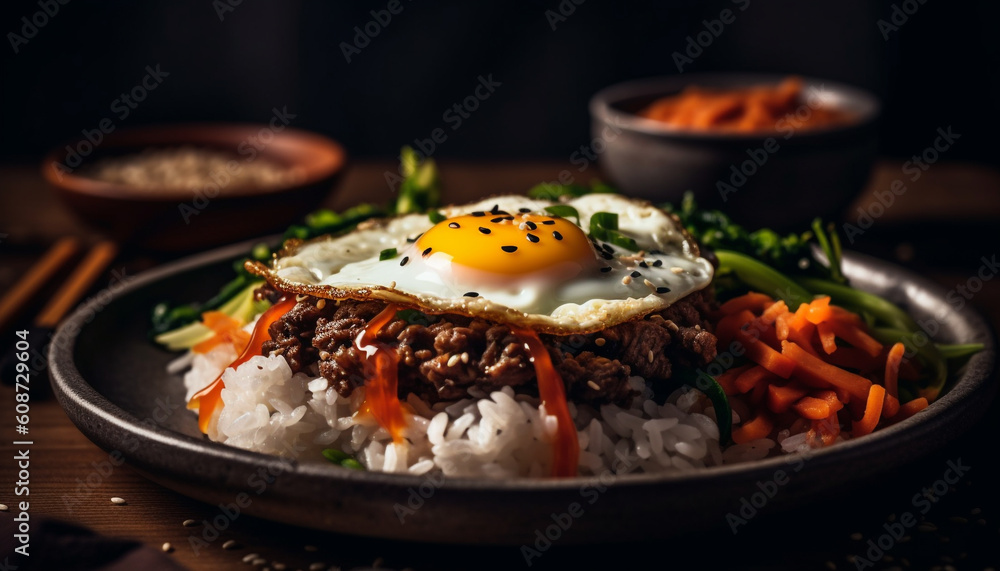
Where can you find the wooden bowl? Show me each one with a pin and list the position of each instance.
(219, 210)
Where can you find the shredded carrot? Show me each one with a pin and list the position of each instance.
(819, 310)
(853, 358)
(781, 398)
(818, 373)
(812, 408)
(752, 301)
(873, 411)
(890, 407)
(751, 378)
(826, 337)
(727, 379)
(227, 330)
(892, 369)
(781, 328)
(759, 427)
(855, 336)
(909, 409)
(831, 398)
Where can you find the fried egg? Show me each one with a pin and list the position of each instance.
(506, 259)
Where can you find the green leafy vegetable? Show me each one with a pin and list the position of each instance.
(436, 217)
(387, 254)
(421, 186)
(564, 211)
(342, 459)
(604, 227)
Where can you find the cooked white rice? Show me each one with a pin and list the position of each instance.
(499, 435)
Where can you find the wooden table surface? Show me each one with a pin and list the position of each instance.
(942, 227)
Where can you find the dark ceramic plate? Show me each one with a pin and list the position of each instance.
(113, 384)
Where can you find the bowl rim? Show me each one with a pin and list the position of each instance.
(328, 157)
(602, 104)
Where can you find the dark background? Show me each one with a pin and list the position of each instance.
(938, 69)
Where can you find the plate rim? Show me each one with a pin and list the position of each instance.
(72, 389)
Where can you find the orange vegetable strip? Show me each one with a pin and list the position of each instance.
(856, 337)
(727, 379)
(751, 378)
(873, 410)
(892, 369)
(803, 336)
(826, 337)
(812, 408)
(781, 398)
(911, 408)
(760, 353)
(853, 358)
(759, 427)
(751, 301)
(781, 326)
(815, 372)
(227, 330)
(831, 398)
(727, 327)
(890, 407)
(819, 310)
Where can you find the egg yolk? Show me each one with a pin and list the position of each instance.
(508, 244)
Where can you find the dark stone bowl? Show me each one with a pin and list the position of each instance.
(113, 385)
(778, 179)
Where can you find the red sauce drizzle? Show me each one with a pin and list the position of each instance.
(382, 376)
(208, 399)
(566, 448)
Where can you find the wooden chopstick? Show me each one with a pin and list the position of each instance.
(92, 266)
(41, 272)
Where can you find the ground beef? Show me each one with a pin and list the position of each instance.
(441, 357)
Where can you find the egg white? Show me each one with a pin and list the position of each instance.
(348, 267)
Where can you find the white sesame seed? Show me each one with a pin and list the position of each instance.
(650, 356)
(189, 523)
(672, 326)
(118, 501)
(697, 327)
(627, 280)
(278, 566)
(231, 544)
(258, 562)
(600, 341)
(677, 270)
(320, 303)
(593, 385)
(300, 297)
(250, 557)
(392, 285)
(454, 359)
(167, 548)
(465, 357)
(324, 355)
(3, 507)
(649, 284)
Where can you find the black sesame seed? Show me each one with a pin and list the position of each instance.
(607, 256)
(497, 220)
(484, 230)
(453, 225)
(643, 264)
(509, 249)
(605, 269)
(411, 240)
(495, 209)
(662, 289)
(479, 213)
(656, 252)
(471, 294)
(404, 261)
(532, 237)
(548, 222)
(607, 248)
(531, 225)
(658, 263)
(427, 251)
(635, 274)
(556, 235)
(524, 210)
